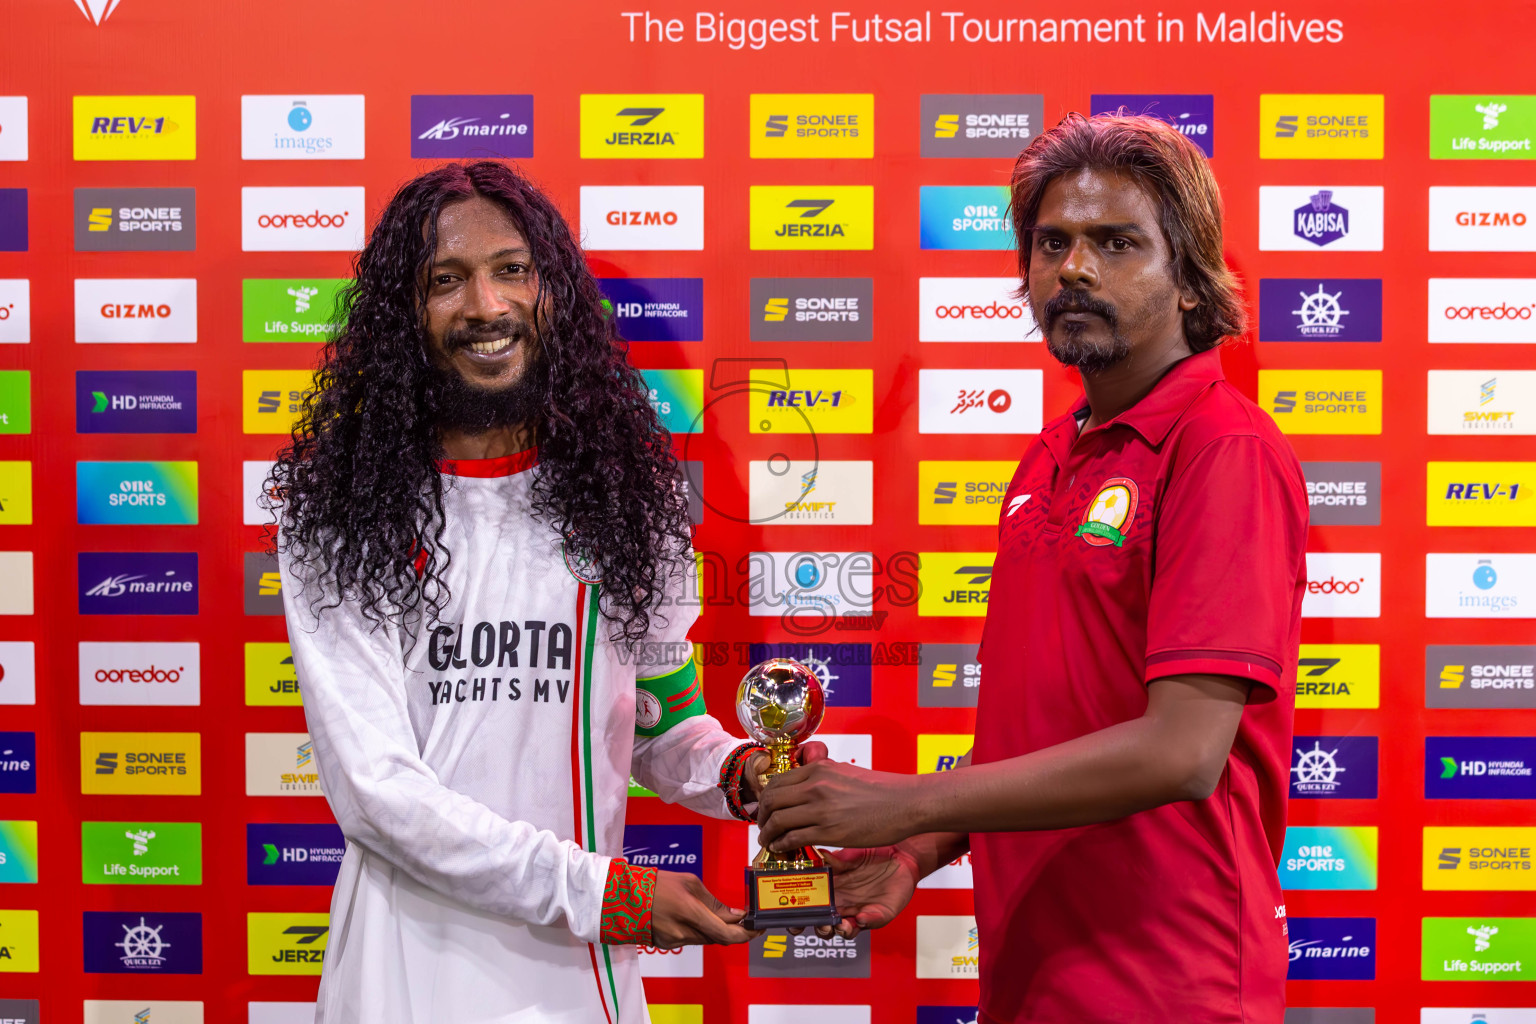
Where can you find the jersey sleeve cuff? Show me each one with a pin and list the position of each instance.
(663, 701)
(627, 898)
(1243, 664)
(732, 772)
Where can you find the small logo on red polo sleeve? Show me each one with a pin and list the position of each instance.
(1110, 514)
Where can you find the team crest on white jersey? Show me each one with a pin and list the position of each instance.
(581, 564)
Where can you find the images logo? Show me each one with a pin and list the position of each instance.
(1492, 859)
(138, 583)
(142, 943)
(1343, 493)
(1479, 949)
(1338, 675)
(1482, 402)
(642, 217)
(286, 943)
(1329, 857)
(656, 308)
(291, 309)
(280, 764)
(128, 672)
(979, 401)
(666, 847)
(843, 669)
(1193, 115)
(1481, 127)
(965, 217)
(979, 125)
(18, 942)
(1473, 586)
(1482, 219)
(1332, 948)
(309, 219)
(135, 220)
(1333, 767)
(154, 763)
(811, 585)
(269, 676)
(961, 493)
(141, 853)
(1323, 401)
(135, 127)
(1481, 493)
(143, 1011)
(948, 675)
(15, 310)
(812, 126)
(293, 854)
(136, 310)
(301, 127)
(18, 762)
(1337, 219)
(1319, 309)
(1321, 127)
(13, 220)
(1482, 310)
(678, 398)
(972, 309)
(812, 217)
(136, 493)
(1479, 768)
(650, 127)
(135, 402)
(946, 947)
(13, 134)
(954, 583)
(1485, 676)
(815, 401)
(273, 399)
(455, 127)
(812, 308)
(18, 854)
(785, 492)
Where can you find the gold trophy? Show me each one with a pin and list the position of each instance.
(780, 704)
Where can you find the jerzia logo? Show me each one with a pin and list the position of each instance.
(639, 127)
(286, 943)
(812, 217)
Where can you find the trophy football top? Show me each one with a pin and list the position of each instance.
(780, 699)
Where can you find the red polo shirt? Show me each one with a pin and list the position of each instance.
(1169, 540)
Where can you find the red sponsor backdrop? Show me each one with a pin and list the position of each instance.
(389, 51)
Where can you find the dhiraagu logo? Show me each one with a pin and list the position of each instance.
(965, 217)
(678, 398)
(286, 943)
(812, 217)
(136, 493)
(811, 402)
(141, 853)
(954, 583)
(290, 309)
(18, 852)
(1482, 127)
(269, 676)
(1329, 857)
(1478, 949)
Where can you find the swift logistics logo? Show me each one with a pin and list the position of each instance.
(640, 218)
(1297, 218)
(1295, 126)
(1482, 127)
(1332, 948)
(961, 493)
(136, 310)
(1322, 401)
(1338, 676)
(293, 854)
(135, 402)
(135, 220)
(15, 310)
(141, 853)
(1482, 218)
(151, 763)
(779, 955)
(979, 125)
(979, 401)
(814, 402)
(16, 570)
(140, 673)
(303, 309)
(142, 942)
(18, 854)
(1479, 768)
(954, 583)
(1479, 949)
(1482, 402)
(786, 492)
(1480, 676)
(666, 847)
(286, 943)
(271, 400)
(313, 218)
(812, 126)
(1194, 115)
(18, 942)
(947, 947)
(138, 582)
(1334, 767)
(13, 220)
(13, 133)
(144, 1011)
(965, 217)
(830, 217)
(656, 126)
(1469, 859)
(18, 672)
(135, 127)
(1496, 311)
(1480, 494)
(656, 308)
(136, 493)
(678, 398)
(270, 679)
(18, 762)
(1479, 586)
(280, 764)
(1343, 493)
(948, 675)
(812, 309)
(1319, 309)
(973, 309)
(844, 670)
(456, 127)
(1335, 857)
(301, 127)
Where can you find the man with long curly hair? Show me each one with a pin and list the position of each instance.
(489, 582)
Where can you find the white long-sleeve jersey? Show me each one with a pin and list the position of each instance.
(479, 766)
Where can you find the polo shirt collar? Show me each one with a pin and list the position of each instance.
(1154, 416)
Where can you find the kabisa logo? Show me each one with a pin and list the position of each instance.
(13, 221)
(979, 401)
(136, 310)
(97, 11)
(1482, 219)
(135, 127)
(1336, 857)
(1473, 586)
(280, 764)
(136, 493)
(1482, 127)
(1491, 859)
(811, 401)
(1478, 949)
(18, 762)
(808, 956)
(1321, 127)
(1323, 401)
(1334, 218)
(666, 847)
(138, 583)
(142, 943)
(1319, 309)
(843, 669)
(812, 308)
(454, 127)
(270, 680)
(1482, 402)
(954, 583)
(135, 402)
(15, 309)
(955, 493)
(135, 219)
(1338, 675)
(1481, 676)
(1193, 115)
(1500, 310)
(311, 219)
(948, 675)
(1321, 222)
(812, 217)
(1332, 948)
(979, 125)
(286, 943)
(1479, 768)
(642, 217)
(291, 309)
(1333, 767)
(1481, 493)
(656, 308)
(141, 853)
(965, 217)
(812, 125)
(973, 309)
(642, 127)
(159, 763)
(307, 127)
(1343, 493)
(136, 672)
(293, 854)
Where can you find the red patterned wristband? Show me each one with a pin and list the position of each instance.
(627, 899)
(731, 774)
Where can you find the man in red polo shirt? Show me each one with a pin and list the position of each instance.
(1125, 804)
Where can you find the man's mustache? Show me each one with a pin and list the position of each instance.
(513, 327)
(1072, 301)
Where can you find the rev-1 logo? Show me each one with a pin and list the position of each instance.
(803, 399)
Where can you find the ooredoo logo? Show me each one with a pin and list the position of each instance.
(317, 219)
(972, 309)
(1342, 585)
(1499, 310)
(641, 217)
(1482, 219)
(165, 674)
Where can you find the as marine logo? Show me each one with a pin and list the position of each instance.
(1107, 517)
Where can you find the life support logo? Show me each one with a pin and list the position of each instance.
(1105, 520)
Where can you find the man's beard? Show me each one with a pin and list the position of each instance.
(1076, 349)
(460, 405)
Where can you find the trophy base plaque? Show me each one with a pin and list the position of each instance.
(789, 897)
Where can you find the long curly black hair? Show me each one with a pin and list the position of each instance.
(360, 497)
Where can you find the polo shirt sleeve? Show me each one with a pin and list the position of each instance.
(1231, 544)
